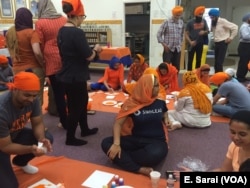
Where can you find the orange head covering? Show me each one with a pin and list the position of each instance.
(203, 78)
(77, 8)
(199, 10)
(177, 10)
(141, 58)
(129, 87)
(248, 65)
(197, 90)
(218, 78)
(3, 59)
(25, 81)
(141, 96)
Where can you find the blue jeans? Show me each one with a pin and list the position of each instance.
(137, 152)
(24, 137)
(224, 110)
(98, 86)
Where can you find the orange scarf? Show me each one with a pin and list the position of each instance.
(197, 90)
(203, 78)
(129, 87)
(170, 79)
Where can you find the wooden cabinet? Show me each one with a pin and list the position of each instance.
(100, 36)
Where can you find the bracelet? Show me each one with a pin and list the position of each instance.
(116, 144)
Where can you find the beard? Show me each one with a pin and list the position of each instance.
(214, 22)
(198, 19)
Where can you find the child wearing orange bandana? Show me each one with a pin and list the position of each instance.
(6, 73)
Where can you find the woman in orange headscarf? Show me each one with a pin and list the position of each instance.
(137, 68)
(203, 74)
(194, 104)
(168, 76)
(147, 144)
(129, 87)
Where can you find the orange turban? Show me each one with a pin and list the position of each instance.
(3, 59)
(248, 65)
(25, 81)
(78, 9)
(177, 10)
(199, 10)
(218, 78)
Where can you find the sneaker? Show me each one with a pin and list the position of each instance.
(29, 169)
(89, 132)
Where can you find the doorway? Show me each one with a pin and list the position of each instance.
(137, 27)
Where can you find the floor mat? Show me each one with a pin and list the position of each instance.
(97, 100)
(73, 173)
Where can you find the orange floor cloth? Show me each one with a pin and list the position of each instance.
(100, 96)
(73, 173)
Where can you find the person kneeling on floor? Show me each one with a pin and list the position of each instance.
(18, 106)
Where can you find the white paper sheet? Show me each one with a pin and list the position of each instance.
(46, 183)
(97, 179)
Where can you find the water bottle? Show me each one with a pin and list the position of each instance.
(170, 181)
(113, 184)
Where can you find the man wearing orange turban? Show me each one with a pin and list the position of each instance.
(236, 96)
(170, 36)
(199, 11)
(19, 106)
(6, 73)
(196, 32)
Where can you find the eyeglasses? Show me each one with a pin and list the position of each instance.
(84, 17)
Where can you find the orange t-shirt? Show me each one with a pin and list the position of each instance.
(233, 154)
(113, 77)
(26, 57)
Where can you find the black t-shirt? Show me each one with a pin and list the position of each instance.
(148, 120)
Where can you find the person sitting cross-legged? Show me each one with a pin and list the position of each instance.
(193, 105)
(146, 145)
(113, 77)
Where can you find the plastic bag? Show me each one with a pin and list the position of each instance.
(193, 164)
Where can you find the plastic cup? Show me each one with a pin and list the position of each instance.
(155, 177)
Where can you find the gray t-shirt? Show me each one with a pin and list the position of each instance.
(237, 95)
(13, 119)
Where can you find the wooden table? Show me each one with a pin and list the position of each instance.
(123, 53)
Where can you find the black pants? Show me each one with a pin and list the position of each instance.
(137, 152)
(197, 49)
(59, 96)
(220, 50)
(77, 100)
(24, 137)
(244, 53)
(172, 57)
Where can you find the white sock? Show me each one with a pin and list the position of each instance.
(29, 169)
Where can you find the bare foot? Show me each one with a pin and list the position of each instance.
(175, 126)
(145, 171)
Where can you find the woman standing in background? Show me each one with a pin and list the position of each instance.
(47, 26)
(76, 55)
(24, 46)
